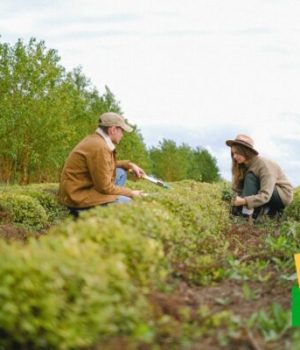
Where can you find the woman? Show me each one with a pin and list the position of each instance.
(260, 184)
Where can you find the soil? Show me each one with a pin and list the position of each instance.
(227, 295)
(10, 233)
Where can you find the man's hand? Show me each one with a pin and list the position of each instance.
(136, 193)
(138, 172)
(238, 201)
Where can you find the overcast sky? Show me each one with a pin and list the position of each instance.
(196, 71)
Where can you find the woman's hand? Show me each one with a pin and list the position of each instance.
(238, 201)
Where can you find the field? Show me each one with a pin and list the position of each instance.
(170, 271)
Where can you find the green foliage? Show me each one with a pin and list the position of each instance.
(149, 219)
(24, 210)
(121, 273)
(88, 280)
(132, 147)
(287, 243)
(115, 238)
(61, 294)
(47, 198)
(45, 111)
(31, 109)
(204, 164)
(292, 211)
(174, 163)
(242, 271)
(227, 193)
(197, 247)
(282, 247)
(272, 323)
(108, 102)
(169, 162)
(32, 207)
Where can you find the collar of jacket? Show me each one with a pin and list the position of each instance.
(108, 141)
(251, 161)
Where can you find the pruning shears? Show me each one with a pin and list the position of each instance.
(156, 181)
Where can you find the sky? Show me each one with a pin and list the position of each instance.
(194, 71)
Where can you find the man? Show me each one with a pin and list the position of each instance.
(91, 175)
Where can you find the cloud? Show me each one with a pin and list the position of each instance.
(272, 142)
(252, 31)
(275, 50)
(197, 72)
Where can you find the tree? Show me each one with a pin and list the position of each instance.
(45, 111)
(173, 163)
(132, 147)
(170, 162)
(30, 108)
(203, 166)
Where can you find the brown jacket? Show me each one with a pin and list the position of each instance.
(270, 175)
(88, 177)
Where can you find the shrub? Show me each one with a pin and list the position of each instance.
(292, 211)
(200, 248)
(190, 231)
(149, 219)
(88, 280)
(142, 256)
(24, 211)
(45, 194)
(198, 206)
(62, 294)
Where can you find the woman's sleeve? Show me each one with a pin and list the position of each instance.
(267, 184)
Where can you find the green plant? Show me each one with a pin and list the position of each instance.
(24, 211)
(272, 323)
(292, 211)
(31, 207)
(63, 294)
(226, 192)
(143, 256)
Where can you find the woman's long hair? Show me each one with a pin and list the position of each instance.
(239, 170)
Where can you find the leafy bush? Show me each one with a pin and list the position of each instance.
(189, 229)
(201, 246)
(24, 210)
(45, 194)
(198, 206)
(227, 193)
(93, 279)
(292, 211)
(143, 256)
(62, 294)
(32, 207)
(189, 232)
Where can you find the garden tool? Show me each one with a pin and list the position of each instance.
(156, 181)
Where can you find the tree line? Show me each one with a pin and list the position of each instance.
(45, 110)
